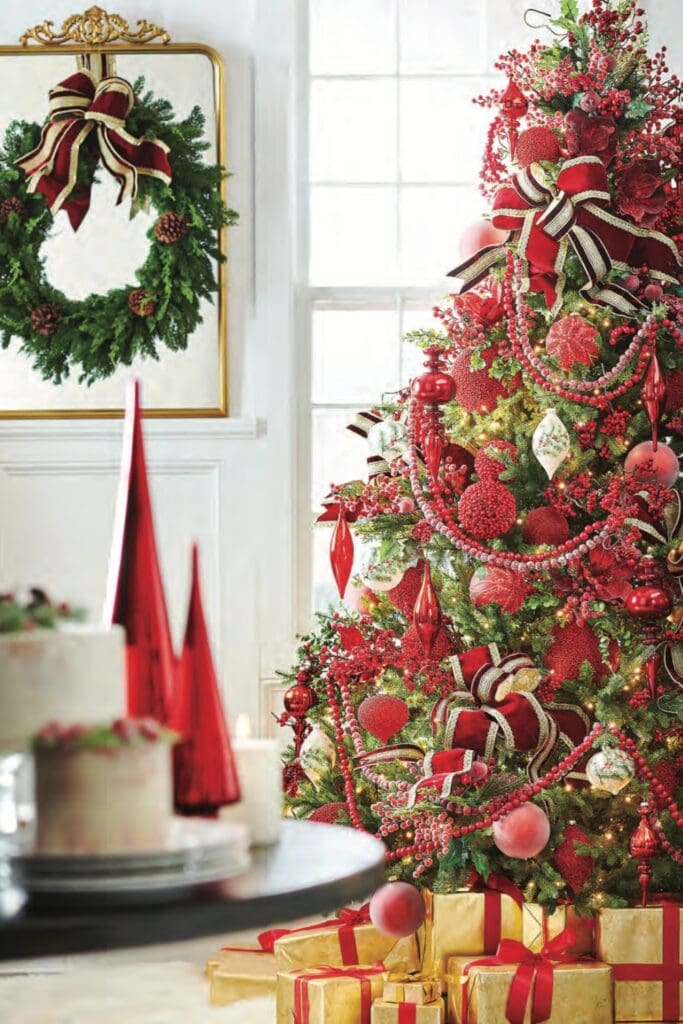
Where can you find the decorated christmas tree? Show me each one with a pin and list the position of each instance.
(501, 693)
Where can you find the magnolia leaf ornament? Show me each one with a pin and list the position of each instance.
(318, 755)
(610, 769)
(572, 340)
(551, 443)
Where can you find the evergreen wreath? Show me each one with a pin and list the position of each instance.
(103, 331)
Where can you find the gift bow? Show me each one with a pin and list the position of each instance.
(549, 220)
(301, 1009)
(534, 978)
(348, 919)
(77, 105)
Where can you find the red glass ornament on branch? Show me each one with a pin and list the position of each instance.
(654, 396)
(648, 603)
(427, 616)
(643, 845)
(341, 552)
(432, 450)
(204, 771)
(434, 386)
(513, 107)
(298, 701)
(652, 667)
(135, 592)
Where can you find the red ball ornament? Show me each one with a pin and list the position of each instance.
(571, 646)
(522, 833)
(299, 699)
(538, 143)
(335, 813)
(476, 236)
(488, 463)
(475, 390)
(433, 387)
(650, 466)
(545, 526)
(649, 603)
(575, 868)
(361, 599)
(487, 510)
(674, 391)
(383, 715)
(397, 909)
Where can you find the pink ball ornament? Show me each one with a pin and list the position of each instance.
(397, 909)
(360, 599)
(523, 832)
(476, 235)
(650, 466)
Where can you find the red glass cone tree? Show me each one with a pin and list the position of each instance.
(135, 592)
(204, 770)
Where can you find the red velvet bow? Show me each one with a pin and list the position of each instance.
(77, 105)
(301, 1008)
(551, 219)
(533, 978)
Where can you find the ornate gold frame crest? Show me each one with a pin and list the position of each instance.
(98, 33)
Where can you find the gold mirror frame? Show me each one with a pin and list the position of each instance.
(98, 32)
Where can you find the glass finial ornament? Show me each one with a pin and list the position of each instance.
(434, 386)
(341, 552)
(427, 612)
(513, 107)
(643, 845)
(610, 769)
(551, 443)
(317, 755)
(654, 396)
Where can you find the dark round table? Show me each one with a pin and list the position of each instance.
(313, 869)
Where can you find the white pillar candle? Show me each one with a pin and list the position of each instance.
(260, 775)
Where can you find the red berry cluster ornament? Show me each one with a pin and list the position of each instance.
(487, 462)
(475, 390)
(535, 144)
(487, 510)
(575, 868)
(571, 646)
(545, 526)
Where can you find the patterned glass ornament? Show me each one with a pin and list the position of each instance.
(551, 443)
(389, 439)
(382, 574)
(318, 755)
(610, 769)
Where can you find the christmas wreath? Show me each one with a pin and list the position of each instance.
(113, 126)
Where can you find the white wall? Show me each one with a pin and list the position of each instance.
(227, 483)
(231, 484)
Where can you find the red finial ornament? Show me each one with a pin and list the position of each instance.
(644, 845)
(652, 666)
(432, 449)
(427, 612)
(135, 591)
(205, 775)
(435, 386)
(513, 107)
(654, 396)
(341, 552)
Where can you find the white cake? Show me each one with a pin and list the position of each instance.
(103, 789)
(72, 673)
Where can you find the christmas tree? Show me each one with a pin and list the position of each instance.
(501, 693)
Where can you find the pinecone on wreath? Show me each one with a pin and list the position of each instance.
(12, 204)
(170, 228)
(141, 302)
(45, 318)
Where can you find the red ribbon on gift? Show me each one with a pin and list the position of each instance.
(78, 105)
(361, 974)
(494, 888)
(547, 220)
(345, 924)
(670, 971)
(533, 980)
(407, 1013)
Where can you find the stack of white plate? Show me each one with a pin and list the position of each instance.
(198, 851)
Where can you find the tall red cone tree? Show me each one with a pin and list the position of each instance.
(135, 592)
(205, 775)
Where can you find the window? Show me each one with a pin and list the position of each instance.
(388, 181)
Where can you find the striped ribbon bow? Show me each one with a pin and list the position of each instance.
(548, 219)
(78, 105)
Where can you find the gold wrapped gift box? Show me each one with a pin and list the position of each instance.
(330, 946)
(419, 989)
(240, 974)
(539, 927)
(582, 993)
(456, 923)
(644, 941)
(407, 1013)
(322, 998)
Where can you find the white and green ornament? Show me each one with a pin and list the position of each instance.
(551, 443)
(382, 574)
(318, 755)
(389, 439)
(610, 769)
